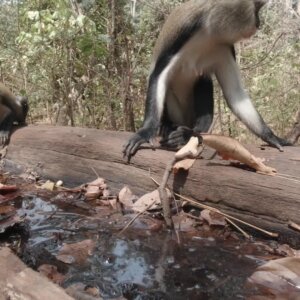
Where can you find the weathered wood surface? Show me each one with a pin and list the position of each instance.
(17, 281)
(70, 154)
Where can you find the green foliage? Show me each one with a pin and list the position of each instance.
(86, 62)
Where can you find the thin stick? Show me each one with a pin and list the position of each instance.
(287, 175)
(165, 201)
(135, 217)
(287, 178)
(272, 234)
(245, 234)
(95, 172)
(294, 226)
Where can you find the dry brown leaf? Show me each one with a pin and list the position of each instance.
(184, 164)
(100, 182)
(189, 150)
(106, 193)
(48, 185)
(92, 192)
(7, 209)
(82, 291)
(126, 197)
(213, 218)
(96, 188)
(7, 188)
(145, 201)
(286, 250)
(229, 148)
(9, 222)
(113, 203)
(51, 272)
(280, 276)
(183, 223)
(77, 252)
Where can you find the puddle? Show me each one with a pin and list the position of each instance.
(137, 264)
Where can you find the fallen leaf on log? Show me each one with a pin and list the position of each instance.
(51, 272)
(77, 252)
(184, 164)
(280, 278)
(126, 197)
(229, 148)
(92, 192)
(96, 188)
(151, 200)
(213, 218)
(48, 185)
(190, 149)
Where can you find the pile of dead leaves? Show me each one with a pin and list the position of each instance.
(8, 213)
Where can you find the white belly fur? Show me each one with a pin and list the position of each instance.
(196, 58)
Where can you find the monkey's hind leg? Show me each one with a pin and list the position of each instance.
(5, 127)
(203, 102)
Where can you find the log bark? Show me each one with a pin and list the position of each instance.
(70, 154)
(17, 281)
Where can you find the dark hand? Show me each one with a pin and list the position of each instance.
(139, 138)
(177, 138)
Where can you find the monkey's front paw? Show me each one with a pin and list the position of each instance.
(177, 138)
(4, 137)
(139, 138)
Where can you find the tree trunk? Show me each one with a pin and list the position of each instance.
(294, 134)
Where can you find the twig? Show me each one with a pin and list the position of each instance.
(294, 225)
(136, 216)
(272, 234)
(245, 234)
(95, 172)
(165, 200)
(288, 178)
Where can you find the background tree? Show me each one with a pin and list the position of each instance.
(85, 63)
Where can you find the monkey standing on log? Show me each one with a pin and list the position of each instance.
(197, 41)
(12, 109)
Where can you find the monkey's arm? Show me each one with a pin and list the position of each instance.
(7, 119)
(228, 76)
(153, 111)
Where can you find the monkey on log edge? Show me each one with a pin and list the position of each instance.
(13, 109)
(196, 42)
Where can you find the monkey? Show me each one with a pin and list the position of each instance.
(195, 43)
(13, 109)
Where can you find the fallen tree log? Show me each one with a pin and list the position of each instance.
(17, 281)
(72, 154)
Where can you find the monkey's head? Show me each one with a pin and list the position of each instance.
(24, 107)
(233, 20)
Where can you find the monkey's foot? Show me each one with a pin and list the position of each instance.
(177, 138)
(277, 142)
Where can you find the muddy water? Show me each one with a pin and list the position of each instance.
(137, 264)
